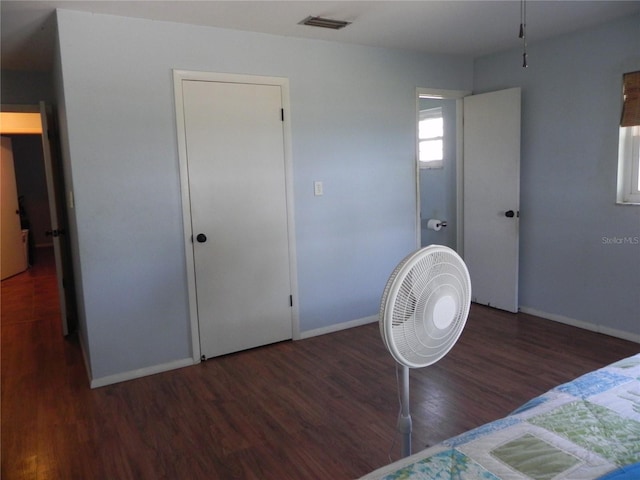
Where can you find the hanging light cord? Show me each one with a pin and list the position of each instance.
(523, 31)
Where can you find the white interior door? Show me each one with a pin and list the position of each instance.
(12, 259)
(492, 196)
(235, 155)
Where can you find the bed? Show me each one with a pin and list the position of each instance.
(588, 428)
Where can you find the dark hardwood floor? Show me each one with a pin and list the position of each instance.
(320, 408)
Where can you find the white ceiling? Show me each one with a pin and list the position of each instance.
(463, 27)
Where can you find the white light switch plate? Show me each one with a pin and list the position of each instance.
(318, 189)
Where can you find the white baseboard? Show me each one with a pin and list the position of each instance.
(141, 372)
(87, 365)
(340, 326)
(612, 332)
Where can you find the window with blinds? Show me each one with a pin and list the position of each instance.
(629, 146)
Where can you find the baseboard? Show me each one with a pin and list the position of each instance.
(87, 365)
(612, 332)
(141, 372)
(337, 327)
(186, 362)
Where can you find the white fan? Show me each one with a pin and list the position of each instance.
(424, 308)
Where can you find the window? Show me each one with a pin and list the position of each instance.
(430, 138)
(629, 146)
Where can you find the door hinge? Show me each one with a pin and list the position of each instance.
(282, 114)
(291, 300)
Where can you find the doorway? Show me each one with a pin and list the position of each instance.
(14, 256)
(39, 182)
(32, 204)
(439, 167)
(235, 168)
(487, 179)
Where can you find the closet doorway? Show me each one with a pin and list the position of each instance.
(233, 132)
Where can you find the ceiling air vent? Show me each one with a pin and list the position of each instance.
(324, 23)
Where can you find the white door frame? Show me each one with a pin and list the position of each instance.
(458, 95)
(178, 77)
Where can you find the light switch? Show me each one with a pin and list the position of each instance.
(318, 189)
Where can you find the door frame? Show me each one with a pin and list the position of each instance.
(185, 75)
(458, 95)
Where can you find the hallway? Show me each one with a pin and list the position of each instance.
(32, 296)
(33, 382)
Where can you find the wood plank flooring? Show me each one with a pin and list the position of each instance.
(323, 407)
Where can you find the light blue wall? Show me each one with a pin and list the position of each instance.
(353, 126)
(571, 95)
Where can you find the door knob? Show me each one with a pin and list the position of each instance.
(201, 238)
(509, 214)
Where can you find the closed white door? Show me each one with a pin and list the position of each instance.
(492, 196)
(12, 259)
(235, 155)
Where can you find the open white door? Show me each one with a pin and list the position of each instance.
(12, 258)
(55, 194)
(492, 196)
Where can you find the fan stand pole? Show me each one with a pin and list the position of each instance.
(404, 421)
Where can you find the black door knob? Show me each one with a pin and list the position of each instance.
(509, 213)
(201, 238)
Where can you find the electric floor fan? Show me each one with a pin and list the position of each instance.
(423, 311)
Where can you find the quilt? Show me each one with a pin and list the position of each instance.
(586, 429)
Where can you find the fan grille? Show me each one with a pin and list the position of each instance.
(425, 304)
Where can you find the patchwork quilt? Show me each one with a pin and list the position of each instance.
(586, 429)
